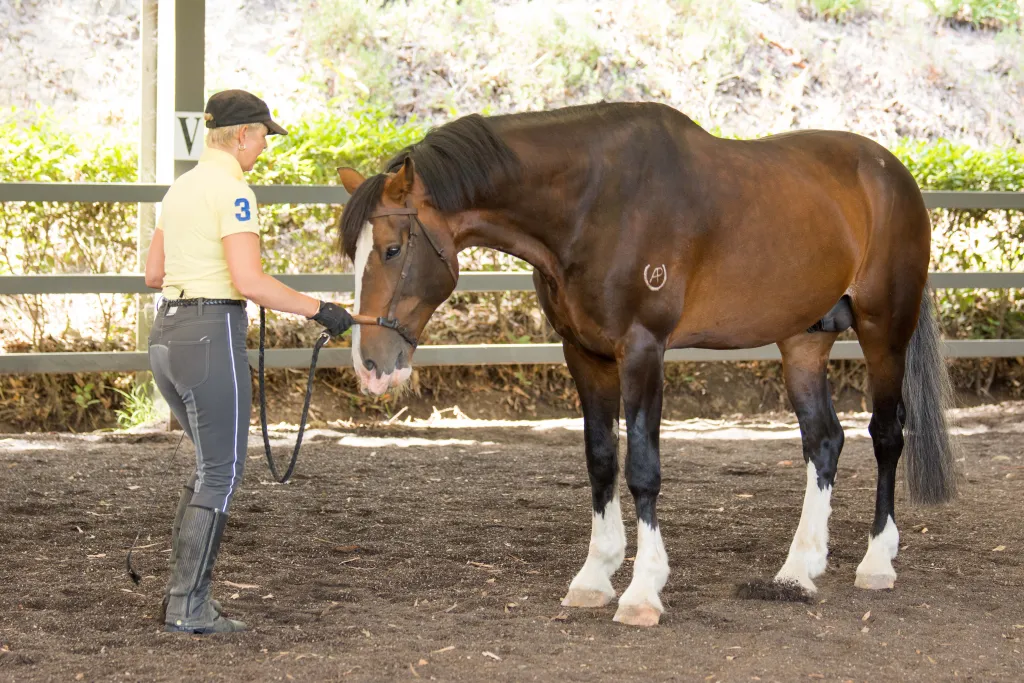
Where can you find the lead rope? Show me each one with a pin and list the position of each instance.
(323, 339)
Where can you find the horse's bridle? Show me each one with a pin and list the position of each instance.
(391, 322)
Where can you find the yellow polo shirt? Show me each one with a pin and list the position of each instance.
(203, 206)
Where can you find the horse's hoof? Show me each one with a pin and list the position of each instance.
(586, 597)
(637, 615)
(875, 582)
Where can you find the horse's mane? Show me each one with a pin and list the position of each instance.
(461, 163)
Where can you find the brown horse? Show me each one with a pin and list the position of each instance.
(647, 233)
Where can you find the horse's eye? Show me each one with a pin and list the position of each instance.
(392, 252)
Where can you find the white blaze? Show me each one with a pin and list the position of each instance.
(363, 247)
(369, 379)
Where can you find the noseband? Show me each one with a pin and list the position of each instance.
(415, 227)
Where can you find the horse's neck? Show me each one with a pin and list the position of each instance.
(504, 231)
(530, 221)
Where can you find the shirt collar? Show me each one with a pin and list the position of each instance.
(223, 160)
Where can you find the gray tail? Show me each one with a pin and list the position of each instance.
(930, 452)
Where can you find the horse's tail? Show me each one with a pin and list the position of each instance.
(930, 451)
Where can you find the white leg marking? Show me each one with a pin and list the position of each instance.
(640, 604)
(875, 571)
(592, 586)
(809, 551)
(363, 246)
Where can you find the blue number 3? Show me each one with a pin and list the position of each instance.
(243, 209)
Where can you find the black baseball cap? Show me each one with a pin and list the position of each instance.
(235, 107)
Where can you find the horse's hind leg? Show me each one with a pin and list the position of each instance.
(597, 382)
(805, 361)
(885, 353)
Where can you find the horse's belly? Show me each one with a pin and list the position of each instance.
(720, 339)
(757, 318)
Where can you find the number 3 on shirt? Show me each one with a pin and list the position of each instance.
(243, 209)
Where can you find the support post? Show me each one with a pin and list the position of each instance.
(147, 174)
(180, 83)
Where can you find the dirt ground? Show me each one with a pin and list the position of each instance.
(439, 550)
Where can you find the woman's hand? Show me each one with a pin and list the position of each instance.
(335, 319)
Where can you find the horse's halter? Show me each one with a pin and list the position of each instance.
(391, 322)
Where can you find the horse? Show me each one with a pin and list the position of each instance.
(646, 233)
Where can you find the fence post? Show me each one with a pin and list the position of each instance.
(180, 86)
(147, 174)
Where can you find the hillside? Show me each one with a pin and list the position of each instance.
(889, 68)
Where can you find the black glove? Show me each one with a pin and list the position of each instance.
(335, 319)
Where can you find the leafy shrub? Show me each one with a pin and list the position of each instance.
(995, 14)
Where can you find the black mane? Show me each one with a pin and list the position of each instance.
(461, 163)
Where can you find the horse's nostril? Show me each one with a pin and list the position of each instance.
(369, 364)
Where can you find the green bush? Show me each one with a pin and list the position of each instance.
(294, 236)
(995, 14)
(973, 240)
(52, 237)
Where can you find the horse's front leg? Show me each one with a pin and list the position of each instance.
(641, 365)
(597, 382)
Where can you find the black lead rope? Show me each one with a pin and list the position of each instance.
(323, 339)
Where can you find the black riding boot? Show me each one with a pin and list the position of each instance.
(183, 501)
(189, 608)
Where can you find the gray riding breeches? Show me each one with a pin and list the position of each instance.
(198, 357)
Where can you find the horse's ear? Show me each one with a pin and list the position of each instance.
(400, 183)
(350, 178)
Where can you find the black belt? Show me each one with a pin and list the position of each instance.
(204, 302)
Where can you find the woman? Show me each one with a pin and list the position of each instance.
(205, 256)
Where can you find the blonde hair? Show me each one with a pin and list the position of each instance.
(225, 136)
